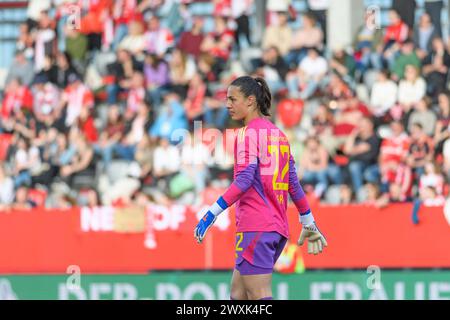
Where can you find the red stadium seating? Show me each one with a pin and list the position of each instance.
(290, 112)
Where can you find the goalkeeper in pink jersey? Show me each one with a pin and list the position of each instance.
(264, 175)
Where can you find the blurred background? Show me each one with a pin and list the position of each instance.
(114, 138)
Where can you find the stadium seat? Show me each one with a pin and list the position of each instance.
(290, 112)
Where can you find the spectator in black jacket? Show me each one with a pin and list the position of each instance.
(121, 71)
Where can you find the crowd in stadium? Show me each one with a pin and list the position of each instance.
(89, 107)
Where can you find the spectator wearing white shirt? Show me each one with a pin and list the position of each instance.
(383, 95)
(308, 76)
(134, 42)
(411, 89)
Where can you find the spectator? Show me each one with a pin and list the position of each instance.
(362, 148)
(76, 96)
(431, 178)
(434, 9)
(384, 94)
(319, 9)
(123, 12)
(195, 159)
(156, 73)
(308, 77)
(158, 39)
(406, 10)
(45, 98)
(400, 190)
(219, 43)
(406, 57)
(134, 41)
(397, 31)
(420, 150)
(136, 93)
(25, 41)
(190, 41)
(111, 134)
(82, 163)
(171, 118)
(195, 99)
(77, 48)
(17, 96)
(166, 163)
(435, 68)
(61, 73)
(44, 41)
(25, 158)
(279, 36)
(368, 45)
(22, 200)
(314, 164)
(86, 124)
(343, 64)
(306, 37)
(182, 69)
(393, 153)
(442, 132)
(240, 11)
(273, 68)
(424, 34)
(21, 69)
(423, 115)
(144, 157)
(411, 89)
(6, 189)
(121, 72)
(134, 132)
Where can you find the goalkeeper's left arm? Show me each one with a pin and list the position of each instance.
(316, 241)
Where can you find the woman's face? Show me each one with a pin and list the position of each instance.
(237, 104)
(113, 114)
(443, 101)
(410, 73)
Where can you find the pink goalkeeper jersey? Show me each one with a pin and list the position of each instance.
(264, 175)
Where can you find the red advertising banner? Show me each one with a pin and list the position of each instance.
(108, 240)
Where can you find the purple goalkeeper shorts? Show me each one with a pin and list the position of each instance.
(257, 252)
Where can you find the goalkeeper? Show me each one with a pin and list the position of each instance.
(264, 174)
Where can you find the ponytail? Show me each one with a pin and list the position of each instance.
(264, 97)
(257, 87)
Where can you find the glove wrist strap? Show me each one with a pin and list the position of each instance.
(218, 207)
(306, 218)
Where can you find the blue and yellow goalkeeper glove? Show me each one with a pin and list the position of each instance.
(208, 219)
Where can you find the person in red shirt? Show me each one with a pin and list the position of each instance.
(190, 41)
(393, 152)
(17, 96)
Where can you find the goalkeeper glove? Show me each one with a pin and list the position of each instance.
(316, 241)
(209, 218)
(203, 226)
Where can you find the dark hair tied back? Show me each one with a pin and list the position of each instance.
(257, 87)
